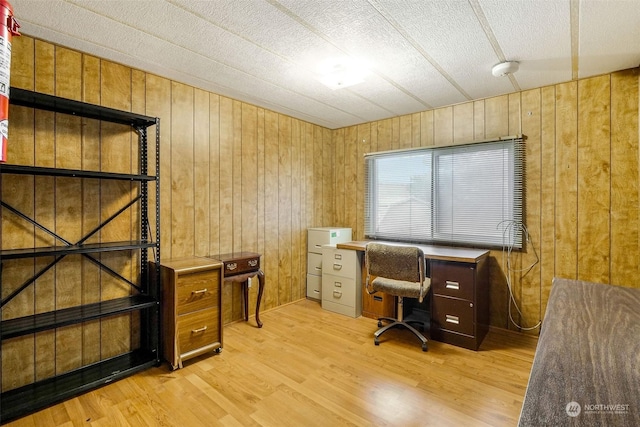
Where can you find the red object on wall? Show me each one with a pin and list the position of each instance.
(8, 28)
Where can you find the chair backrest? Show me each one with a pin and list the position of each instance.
(395, 262)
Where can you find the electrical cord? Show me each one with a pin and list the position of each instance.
(512, 229)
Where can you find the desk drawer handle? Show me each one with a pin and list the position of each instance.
(232, 266)
(337, 294)
(452, 285)
(453, 319)
(337, 266)
(200, 291)
(337, 284)
(253, 262)
(197, 331)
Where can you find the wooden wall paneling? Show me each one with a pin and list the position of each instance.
(515, 114)
(260, 174)
(284, 210)
(237, 177)
(384, 134)
(202, 182)
(271, 205)
(530, 280)
(339, 136)
(416, 127)
(44, 194)
(625, 233)
(406, 131)
(214, 174)
(318, 200)
(594, 179)
(23, 62)
(249, 169)
(158, 104)
(17, 363)
(116, 157)
(496, 116)
(395, 133)
(226, 175)
(327, 177)
(182, 171)
(547, 192)
(426, 128)
(363, 147)
(443, 126)
(90, 205)
(68, 207)
(566, 221)
(351, 179)
(463, 122)
(478, 120)
(298, 271)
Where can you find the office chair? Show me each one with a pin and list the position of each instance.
(398, 271)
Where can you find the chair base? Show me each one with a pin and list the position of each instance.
(395, 323)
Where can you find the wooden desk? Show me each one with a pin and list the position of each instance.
(459, 303)
(239, 267)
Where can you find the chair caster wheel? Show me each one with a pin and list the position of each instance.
(379, 323)
(218, 350)
(424, 346)
(376, 342)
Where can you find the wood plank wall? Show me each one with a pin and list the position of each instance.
(239, 177)
(233, 177)
(582, 182)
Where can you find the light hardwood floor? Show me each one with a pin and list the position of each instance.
(311, 367)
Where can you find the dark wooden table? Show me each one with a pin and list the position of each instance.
(239, 267)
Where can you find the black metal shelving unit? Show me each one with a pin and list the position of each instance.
(146, 298)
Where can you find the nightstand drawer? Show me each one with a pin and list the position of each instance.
(338, 289)
(199, 329)
(453, 279)
(196, 291)
(452, 314)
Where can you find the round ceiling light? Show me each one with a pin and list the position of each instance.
(505, 68)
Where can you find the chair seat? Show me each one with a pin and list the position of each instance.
(400, 288)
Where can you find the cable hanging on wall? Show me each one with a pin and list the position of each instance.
(512, 228)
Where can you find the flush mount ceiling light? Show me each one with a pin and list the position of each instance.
(341, 73)
(505, 68)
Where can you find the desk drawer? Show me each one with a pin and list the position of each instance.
(339, 290)
(239, 266)
(340, 262)
(196, 291)
(199, 329)
(452, 314)
(453, 279)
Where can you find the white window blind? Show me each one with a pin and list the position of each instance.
(463, 194)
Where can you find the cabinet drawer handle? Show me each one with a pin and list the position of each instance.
(337, 256)
(452, 285)
(337, 266)
(337, 284)
(200, 291)
(453, 319)
(253, 262)
(318, 268)
(318, 246)
(337, 294)
(197, 331)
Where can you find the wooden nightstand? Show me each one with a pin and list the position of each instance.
(191, 308)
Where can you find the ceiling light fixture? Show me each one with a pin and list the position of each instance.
(341, 73)
(505, 68)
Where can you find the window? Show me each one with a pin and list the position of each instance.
(465, 194)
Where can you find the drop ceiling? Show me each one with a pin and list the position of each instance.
(419, 54)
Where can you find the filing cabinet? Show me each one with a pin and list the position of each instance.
(341, 281)
(316, 238)
(191, 308)
(460, 302)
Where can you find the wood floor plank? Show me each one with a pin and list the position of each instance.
(312, 367)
